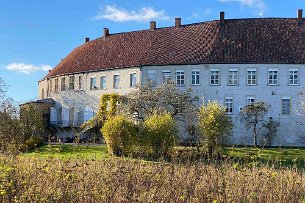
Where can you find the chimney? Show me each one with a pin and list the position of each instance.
(300, 15)
(222, 18)
(106, 32)
(177, 22)
(87, 39)
(153, 25)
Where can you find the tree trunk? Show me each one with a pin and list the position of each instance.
(254, 136)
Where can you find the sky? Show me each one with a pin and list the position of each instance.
(35, 35)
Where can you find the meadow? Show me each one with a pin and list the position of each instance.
(72, 173)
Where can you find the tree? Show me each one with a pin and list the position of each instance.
(214, 126)
(253, 115)
(148, 99)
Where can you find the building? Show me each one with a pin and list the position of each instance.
(235, 61)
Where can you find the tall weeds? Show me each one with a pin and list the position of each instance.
(25, 179)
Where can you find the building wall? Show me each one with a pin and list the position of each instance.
(289, 132)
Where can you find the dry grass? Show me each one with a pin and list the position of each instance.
(33, 179)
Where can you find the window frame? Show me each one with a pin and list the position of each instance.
(289, 106)
(63, 84)
(293, 79)
(56, 85)
(235, 76)
(218, 77)
(166, 76)
(250, 98)
(71, 82)
(116, 81)
(102, 87)
(251, 70)
(91, 86)
(231, 112)
(195, 77)
(80, 84)
(272, 72)
(133, 79)
(180, 78)
(152, 73)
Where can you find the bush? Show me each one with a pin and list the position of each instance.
(31, 143)
(160, 132)
(214, 126)
(120, 135)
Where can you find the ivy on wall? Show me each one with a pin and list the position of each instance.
(107, 109)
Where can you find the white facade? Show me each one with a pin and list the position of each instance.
(234, 85)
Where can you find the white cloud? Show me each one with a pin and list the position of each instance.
(258, 5)
(115, 14)
(27, 68)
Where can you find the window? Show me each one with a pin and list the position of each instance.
(71, 82)
(195, 77)
(250, 100)
(151, 75)
(251, 77)
(116, 82)
(272, 77)
(233, 77)
(79, 82)
(133, 79)
(50, 86)
(56, 85)
(229, 105)
(63, 84)
(293, 76)
(286, 105)
(180, 78)
(166, 77)
(103, 82)
(214, 77)
(93, 83)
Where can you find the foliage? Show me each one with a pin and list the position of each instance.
(103, 113)
(120, 135)
(148, 99)
(31, 143)
(15, 130)
(253, 115)
(214, 126)
(160, 133)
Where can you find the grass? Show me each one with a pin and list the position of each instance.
(286, 157)
(69, 151)
(82, 173)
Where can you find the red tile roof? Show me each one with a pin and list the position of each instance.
(261, 40)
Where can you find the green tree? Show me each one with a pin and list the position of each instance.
(252, 116)
(214, 126)
(120, 135)
(160, 133)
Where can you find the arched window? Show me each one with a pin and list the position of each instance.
(53, 116)
(71, 116)
(65, 117)
(88, 113)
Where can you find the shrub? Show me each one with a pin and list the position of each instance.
(214, 126)
(31, 143)
(120, 135)
(160, 131)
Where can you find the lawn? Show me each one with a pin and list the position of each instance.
(271, 156)
(69, 151)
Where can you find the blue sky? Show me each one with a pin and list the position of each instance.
(35, 35)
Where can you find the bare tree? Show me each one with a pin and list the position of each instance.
(253, 115)
(148, 99)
